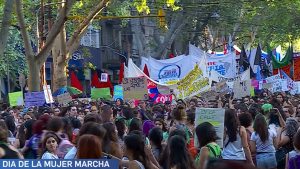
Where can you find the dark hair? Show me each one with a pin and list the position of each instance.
(3, 131)
(231, 124)
(128, 113)
(191, 116)
(86, 143)
(28, 125)
(106, 113)
(206, 133)
(10, 123)
(55, 124)
(156, 137)
(164, 128)
(178, 132)
(110, 136)
(92, 117)
(92, 128)
(179, 155)
(245, 119)
(296, 140)
(179, 113)
(121, 126)
(76, 124)
(38, 127)
(260, 126)
(227, 164)
(135, 124)
(135, 143)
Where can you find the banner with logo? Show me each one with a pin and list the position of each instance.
(174, 68)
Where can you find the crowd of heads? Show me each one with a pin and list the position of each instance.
(160, 135)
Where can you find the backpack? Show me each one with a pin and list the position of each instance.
(294, 162)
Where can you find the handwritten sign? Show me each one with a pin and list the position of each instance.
(34, 99)
(241, 89)
(135, 88)
(192, 84)
(215, 116)
(118, 92)
(64, 99)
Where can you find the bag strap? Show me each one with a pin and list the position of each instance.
(212, 150)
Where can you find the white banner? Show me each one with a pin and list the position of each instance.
(224, 65)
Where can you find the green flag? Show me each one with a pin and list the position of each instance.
(287, 60)
(16, 98)
(103, 93)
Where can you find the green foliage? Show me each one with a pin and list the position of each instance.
(14, 60)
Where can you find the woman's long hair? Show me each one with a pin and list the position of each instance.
(260, 126)
(89, 147)
(179, 155)
(110, 136)
(135, 143)
(206, 133)
(231, 124)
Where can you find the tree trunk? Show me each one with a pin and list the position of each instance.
(5, 25)
(34, 75)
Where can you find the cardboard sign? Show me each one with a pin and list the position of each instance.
(215, 116)
(100, 93)
(276, 86)
(34, 99)
(48, 94)
(16, 98)
(209, 95)
(241, 89)
(64, 99)
(163, 98)
(104, 77)
(135, 88)
(118, 92)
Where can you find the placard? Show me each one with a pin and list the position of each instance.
(241, 89)
(118, 92)
(64, 99)
(273, 78)
(16, 98)
(135, 88)
(48, 94)
(34, 99)
(163, 98)
(100, 93)
(216, 117)
(104, 77)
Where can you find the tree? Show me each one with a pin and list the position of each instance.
(6, 19)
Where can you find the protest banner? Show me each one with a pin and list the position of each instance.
(273, 78)
(241, 89)
(64, 99)
(224, 65)
(100, 93)
(209, 95)
(16, 98)
(135, 88)
(48, 94)
(215, 116)
(34, 99)
(276, 86)
(192, 84)
(118, 92)
(163, 98)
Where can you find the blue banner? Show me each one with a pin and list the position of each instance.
(118, 92)
(66, 164)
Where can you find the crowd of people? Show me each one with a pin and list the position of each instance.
(259, 132)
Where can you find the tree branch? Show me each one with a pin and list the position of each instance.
(73, 42)
(56, 28)
(25, 35)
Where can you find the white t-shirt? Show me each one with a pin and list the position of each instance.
(267, 146)
(48, 155)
